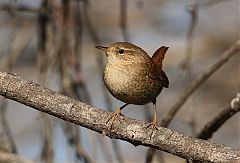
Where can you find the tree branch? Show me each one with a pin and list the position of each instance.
(132, 131)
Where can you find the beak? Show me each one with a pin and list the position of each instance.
(101, 47)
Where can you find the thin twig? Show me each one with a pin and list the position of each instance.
(96, 40)
(211, 3)
(123, 20)
(8, 144)
(133, 131)
(72, 133)
(212, 126)
(19, 44)
(187, 62)
(199, 81)
(149, 156)
(78, 24)
(47, 151)
(21, 8)
(79, 87)
(80, 152)
(43, 20)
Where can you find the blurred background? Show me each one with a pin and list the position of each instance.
(52, 42)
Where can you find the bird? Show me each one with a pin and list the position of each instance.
(133, 77)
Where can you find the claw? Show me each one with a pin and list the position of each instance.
(110, 121)
(153, 126)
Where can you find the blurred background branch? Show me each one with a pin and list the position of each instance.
(233, 50)
(219, 120)
(12, 158)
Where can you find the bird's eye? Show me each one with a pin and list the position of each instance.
(120, 51)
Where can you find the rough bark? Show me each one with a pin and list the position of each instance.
(132, 131)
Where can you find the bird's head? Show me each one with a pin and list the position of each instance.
(124, 52)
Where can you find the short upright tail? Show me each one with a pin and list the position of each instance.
(157, 59)
(158, 56)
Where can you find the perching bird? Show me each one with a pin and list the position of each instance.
(133, 77)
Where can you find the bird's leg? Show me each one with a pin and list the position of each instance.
(114, 116)
(153, 124)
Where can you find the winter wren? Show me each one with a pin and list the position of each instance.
(133, 77)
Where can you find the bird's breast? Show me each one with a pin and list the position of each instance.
(131, 84)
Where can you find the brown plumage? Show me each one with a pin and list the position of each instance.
(132, 76)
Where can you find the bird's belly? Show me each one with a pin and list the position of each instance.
(131, 87)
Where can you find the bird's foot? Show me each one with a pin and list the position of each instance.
(110, 121)
(153, 126)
